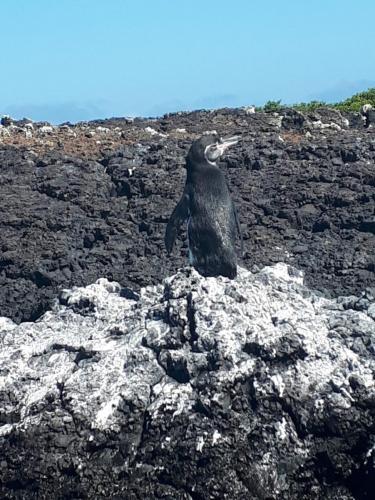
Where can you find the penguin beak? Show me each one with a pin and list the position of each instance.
(227, 143)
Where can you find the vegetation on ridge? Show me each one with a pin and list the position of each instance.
(353, 103)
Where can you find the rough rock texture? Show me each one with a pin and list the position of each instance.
(198, 388)
(82, 202)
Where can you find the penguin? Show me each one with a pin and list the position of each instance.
(207, 206)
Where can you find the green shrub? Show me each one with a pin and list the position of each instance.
(273, 106)
(355, 102)
(308, 106)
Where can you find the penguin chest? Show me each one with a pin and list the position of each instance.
(209, 230)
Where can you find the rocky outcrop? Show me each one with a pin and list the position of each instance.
(92, 200)
(196, 388)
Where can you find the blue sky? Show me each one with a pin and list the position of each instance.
(83, 59)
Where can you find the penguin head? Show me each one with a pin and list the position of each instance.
(209, 147)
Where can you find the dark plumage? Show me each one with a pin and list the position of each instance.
(207, 205)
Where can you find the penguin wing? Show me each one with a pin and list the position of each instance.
(179, 215)
(238, 226)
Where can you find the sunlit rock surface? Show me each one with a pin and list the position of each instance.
(196, 388)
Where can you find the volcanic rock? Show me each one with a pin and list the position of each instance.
(92, 200)
(197, 388)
